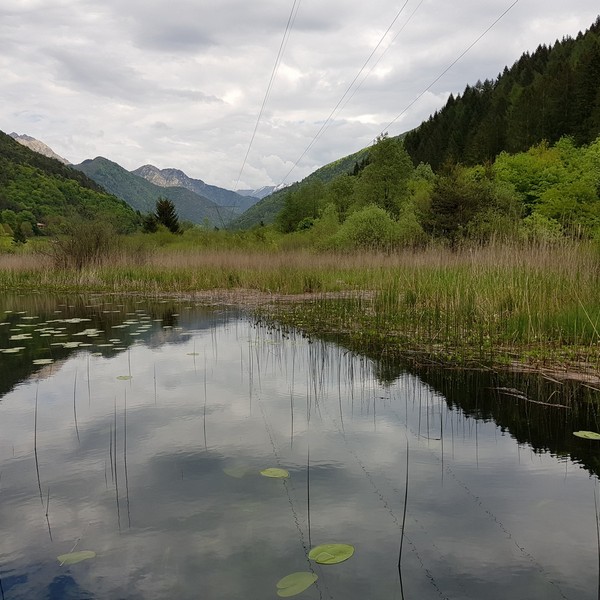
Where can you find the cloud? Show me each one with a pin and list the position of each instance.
(91, 78)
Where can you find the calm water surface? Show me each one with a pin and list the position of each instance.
(154, 420)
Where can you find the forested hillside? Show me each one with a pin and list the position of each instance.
(142, 194)
(39, 193)
(266, 210)
(551, 93)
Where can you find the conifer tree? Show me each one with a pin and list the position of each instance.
(166, 214)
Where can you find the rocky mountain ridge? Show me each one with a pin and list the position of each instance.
(37, 146)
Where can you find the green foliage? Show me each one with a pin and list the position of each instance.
(84, 244)
(150, 223)
(305, 202)
(36, 189)
(166, 215)
(370, 228)
(471, 203)
(384, 181)
(142, 195)
(331, 554)
(267, 209)
(548, 94)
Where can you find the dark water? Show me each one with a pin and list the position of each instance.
(150, 434)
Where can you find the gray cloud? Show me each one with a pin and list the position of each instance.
(93, 78)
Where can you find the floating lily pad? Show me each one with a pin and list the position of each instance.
(295, 583)
(43, 361)
(587, 435)
(237, 472)
(124, 377)
(275, 473)
(331, 554)
(73, 558)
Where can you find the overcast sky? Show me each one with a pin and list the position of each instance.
(180, 83)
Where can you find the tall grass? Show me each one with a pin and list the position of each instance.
(482, 303)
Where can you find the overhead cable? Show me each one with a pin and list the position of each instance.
(450, 66)
(326, 122)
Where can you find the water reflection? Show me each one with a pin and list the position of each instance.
(149, 451)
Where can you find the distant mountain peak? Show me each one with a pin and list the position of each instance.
(37, 146)
(176, 178)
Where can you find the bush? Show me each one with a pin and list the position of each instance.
(370, 228)
(86, 243)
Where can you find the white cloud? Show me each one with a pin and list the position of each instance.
(182, 84)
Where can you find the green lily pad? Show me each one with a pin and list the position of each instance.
(124, 377)
(275, 473)
(295, 583)
(331, 554)
(587, 435)
(43, 361)
(237, 472)
(74, 557)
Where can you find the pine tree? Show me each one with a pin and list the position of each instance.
(166, 214)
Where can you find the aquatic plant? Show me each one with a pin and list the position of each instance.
(295, 583)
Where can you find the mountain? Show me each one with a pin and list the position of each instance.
(266, 210)
(176, 178)
(38, 146)
(142, 195)
(262, 192)
(551, 93)
(38, 192)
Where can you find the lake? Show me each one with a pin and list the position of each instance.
(133, 434)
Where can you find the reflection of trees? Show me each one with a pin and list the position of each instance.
(492, 396)
(108, 315)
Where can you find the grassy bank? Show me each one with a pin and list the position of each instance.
(497, 304)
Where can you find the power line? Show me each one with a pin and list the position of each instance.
(325, 123)
(451, 65)
(323, 127)
(284, 40)
(382, 55)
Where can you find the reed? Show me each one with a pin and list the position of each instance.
(482, 305)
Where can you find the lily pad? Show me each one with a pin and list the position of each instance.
(331, 554)
(124, 377)
(43, 361)
(275, 473)
(237, 472)
(295, 583)
(74, 557)
(587, 435)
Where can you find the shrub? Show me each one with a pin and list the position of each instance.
(85, 243)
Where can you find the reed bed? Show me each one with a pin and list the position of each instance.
(498, 303)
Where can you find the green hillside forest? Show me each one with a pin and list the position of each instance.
(516, 158)
(142, 194)
(551, 93)
(40, 194)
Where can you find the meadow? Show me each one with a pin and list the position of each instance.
(502, 303)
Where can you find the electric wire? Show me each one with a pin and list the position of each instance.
(284, 40)
(450, 66)
(326, 122)
(385, 129)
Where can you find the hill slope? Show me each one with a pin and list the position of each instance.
(545, 95)
(38, 189)
(266, 210)
(142, 195)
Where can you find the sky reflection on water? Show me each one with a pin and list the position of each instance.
(160, 474)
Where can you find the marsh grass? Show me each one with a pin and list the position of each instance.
(491, 304)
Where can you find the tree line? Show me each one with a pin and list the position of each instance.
(551, 93)
(548, 192)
